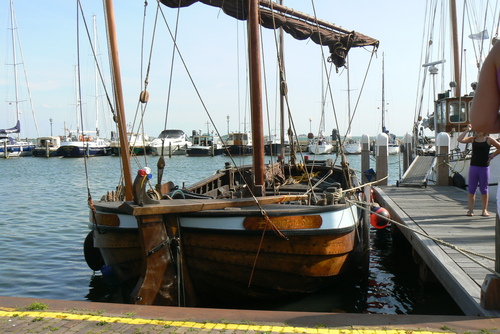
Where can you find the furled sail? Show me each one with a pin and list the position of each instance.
(301, 26)
(16, 129)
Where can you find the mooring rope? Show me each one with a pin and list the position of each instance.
(465, 252)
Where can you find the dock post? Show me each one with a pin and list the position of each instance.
(407, 151)
(497, 243)
(382, 158)
(47, 149)
(366, 225)
(443, 148)
(490, 290)
(365, 156)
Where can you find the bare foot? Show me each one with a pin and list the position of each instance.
(470, 213)
(485, 213)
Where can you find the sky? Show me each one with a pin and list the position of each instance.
(212, 48)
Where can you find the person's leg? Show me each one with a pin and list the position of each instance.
(484, 201)
(471, 200)
(473, 183)
(484, 177)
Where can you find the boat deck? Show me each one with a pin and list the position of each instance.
(440, 212)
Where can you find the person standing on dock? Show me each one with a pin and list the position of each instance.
(479, 171)
(484, 114)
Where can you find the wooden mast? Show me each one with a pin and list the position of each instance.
(120, 112)
(283, 90)
(383, 96)
(256, 96)
(456, 55)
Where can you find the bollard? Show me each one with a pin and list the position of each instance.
(47, 149)
(407, 151)
(365, 156)
(382, 158)
(443, 148)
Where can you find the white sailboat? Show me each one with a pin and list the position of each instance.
(83, 143)
(349, 144)
(394, 147)
(10, 143)
(321, 144)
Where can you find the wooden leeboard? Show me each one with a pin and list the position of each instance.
(440, 211)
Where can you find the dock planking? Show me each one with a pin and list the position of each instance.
(440, 212)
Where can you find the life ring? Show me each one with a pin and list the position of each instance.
(92, 254)
(85, 138)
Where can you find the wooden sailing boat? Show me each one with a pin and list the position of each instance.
(249, 232)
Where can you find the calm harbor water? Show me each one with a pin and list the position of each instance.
(44, 223)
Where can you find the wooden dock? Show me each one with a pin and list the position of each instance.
(440, 212)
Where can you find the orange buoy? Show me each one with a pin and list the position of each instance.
(375, 217)
(372, 196)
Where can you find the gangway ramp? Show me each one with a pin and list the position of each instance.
(418, 172)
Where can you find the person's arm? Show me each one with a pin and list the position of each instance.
(495, 143)
(484, 114)
(462, 138)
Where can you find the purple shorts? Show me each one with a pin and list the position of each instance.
(478, 176)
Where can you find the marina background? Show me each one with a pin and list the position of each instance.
(45, 221)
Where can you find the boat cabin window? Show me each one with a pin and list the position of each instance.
(457, 111)
(46, 142)
(202, 141)
(171, 134)
(440, 113)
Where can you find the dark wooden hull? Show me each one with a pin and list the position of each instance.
(137, 150)
(243, 265)
(238, 150)
(202, 152)
(239, 272)
(44, 153)
(275, 149)
(80, 152)
(225, 249)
